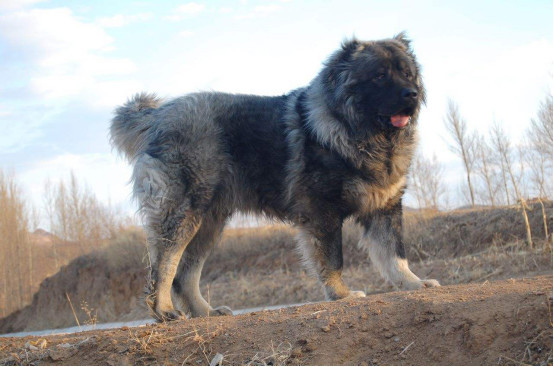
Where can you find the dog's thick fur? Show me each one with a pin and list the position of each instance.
(313, 157)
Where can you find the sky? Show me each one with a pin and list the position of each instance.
(65, 66)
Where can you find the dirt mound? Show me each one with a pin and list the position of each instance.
(504, 322)
(102, 286)
(47, 255)
(87, 284)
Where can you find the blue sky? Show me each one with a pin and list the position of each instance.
(65, 65)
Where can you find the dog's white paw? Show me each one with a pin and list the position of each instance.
(355, 294)
(422, 283)
(430, 283)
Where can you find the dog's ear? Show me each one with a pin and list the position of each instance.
(350, 45)
(341, 58)
(402, 37)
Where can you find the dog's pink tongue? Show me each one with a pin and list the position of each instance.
(399, 120)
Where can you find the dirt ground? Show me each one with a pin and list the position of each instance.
(506, 322)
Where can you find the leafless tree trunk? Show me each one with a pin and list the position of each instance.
(464, 142)
(76, 212)
(539, 132)
(502, 146)
(544, 221)
(14, 243)
(504, 180)
(49, 204)
(77, 215)
(484, 154)
(414, 181)
(538, 154)
(426, 181)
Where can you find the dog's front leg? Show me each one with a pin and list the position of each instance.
(382, 237)
(321, 248)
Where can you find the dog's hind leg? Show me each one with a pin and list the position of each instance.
(382, 238)
(166, 248)
(171, 222)
(186, 285)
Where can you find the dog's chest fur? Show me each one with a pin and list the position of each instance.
(382, 177)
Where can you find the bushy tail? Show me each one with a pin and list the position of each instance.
(131, 123)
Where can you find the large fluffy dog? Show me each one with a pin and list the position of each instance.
(337, 148)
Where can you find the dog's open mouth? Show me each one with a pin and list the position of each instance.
(399, 120)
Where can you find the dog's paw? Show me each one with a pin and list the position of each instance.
(422, 283)
(221, 311)
(430, 283)
(355, 294)
(171, 315)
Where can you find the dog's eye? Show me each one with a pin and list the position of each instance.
(379, 77)
(408, 75)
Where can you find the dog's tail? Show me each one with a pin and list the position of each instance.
(131, 123)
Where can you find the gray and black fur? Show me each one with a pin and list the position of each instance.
(313, 157)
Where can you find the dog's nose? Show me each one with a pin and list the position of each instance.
(409, 93)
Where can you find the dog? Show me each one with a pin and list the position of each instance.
(340, 147)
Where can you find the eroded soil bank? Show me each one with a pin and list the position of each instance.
(501, 322)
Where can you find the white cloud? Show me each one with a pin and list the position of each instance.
(18, 129)
(190, 8)
(108, 94)
(266, 9)
(121, 20)
(52, 31)
(185, 10)
(260, 11)
(68, 55)
(18, 4)
(186, 33)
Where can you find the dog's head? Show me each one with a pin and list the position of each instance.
(374, 85)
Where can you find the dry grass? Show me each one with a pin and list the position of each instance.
(275, 355)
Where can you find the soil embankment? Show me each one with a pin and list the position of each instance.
(503, 322)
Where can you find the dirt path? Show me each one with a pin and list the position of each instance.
(504, 322)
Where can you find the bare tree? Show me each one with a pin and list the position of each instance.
(501, 143)
(463, 143)
(426, 181)
(539, 132)
(77, 215)
(484, 154)
(15, 246)
(538, 153)
(49, 205)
